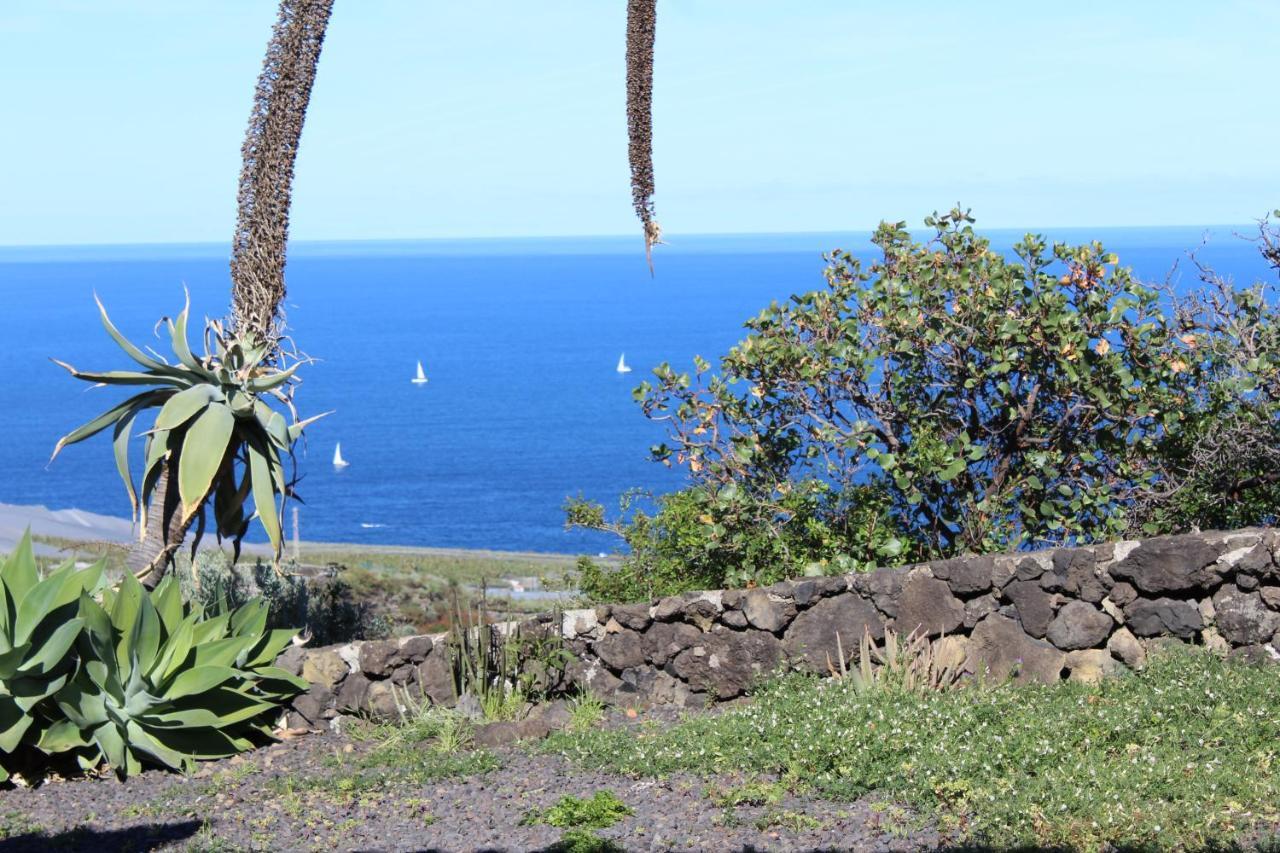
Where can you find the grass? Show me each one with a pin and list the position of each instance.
(1184, 754)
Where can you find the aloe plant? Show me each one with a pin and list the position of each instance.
(39, 624)
(215, 432)
(162, 684)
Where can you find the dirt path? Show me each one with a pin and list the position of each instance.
(306, 794)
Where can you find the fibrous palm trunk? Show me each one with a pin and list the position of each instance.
(163, 531)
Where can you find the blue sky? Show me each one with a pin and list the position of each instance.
(122, 119)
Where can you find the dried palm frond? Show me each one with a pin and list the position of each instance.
(641, 27)
(266, 178)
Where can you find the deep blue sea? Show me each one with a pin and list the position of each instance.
(519, 338)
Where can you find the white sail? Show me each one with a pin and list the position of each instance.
(623, 367)
(338, 461)
(421, 378)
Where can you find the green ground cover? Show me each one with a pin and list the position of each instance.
(1181, 755)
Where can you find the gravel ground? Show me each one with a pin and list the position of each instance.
(266, 801)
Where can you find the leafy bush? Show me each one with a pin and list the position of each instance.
(1179, 756)
(947, 399)
(129, 676)
(602, 810)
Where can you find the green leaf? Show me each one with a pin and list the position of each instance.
(264, 498)
(197, 680)
(109, 417)
(953, 470)
(203, 451)
(185, 405)
(19, 571)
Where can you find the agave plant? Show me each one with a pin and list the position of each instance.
(215, 432)
(163, 684)
(39, 623)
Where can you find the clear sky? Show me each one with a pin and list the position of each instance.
(121, 120)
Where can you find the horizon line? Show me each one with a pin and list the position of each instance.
(322, 241)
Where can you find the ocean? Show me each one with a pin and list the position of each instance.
(519, 339)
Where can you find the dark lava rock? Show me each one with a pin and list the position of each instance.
(1148, 618)
(726, 663)
(1030, 569)
(927, 605)
(1171, 564)
(734, 619)
(290, 660)
(435, 678)
(1246, 582)
(768, 611)
(1242, 617)
(664, 640)
(621, 650)
(804, 593)
(354, 693)
(965, 575)
(1079, 625)
(977, 609)
(882, 586)
(633, 616)
(416, 649)
(1270, 596)
(1079, 568)
(810, 641)
(1035, 606)
(379, 657)
(1123, 592)
(998, 648)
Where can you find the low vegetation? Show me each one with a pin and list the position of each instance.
(1182, 754)
(947, 399)
(93, 675)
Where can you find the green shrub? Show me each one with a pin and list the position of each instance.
(127, 676)
(326, 608)
(601, 811)
(1183, 755)
(946, 399)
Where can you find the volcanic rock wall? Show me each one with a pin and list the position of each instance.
(1077, 613)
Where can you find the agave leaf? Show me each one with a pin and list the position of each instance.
(185, 405)
(203, 450)
(296, 429)
(181, 347)
(83, 703)
(14, 722)
(201, 743)
(146, 641)
(124, 616)
(274, 380)
(208, 630)
(221, 652)
(62, 736)
(275, 673)
(125, 377)
(120, 447)
(264, 496)
(141, 740)
(41, 599)
(198, 679)
(132, 351)
(19, 571)
(250, 618)
(168, 603)
(53, 652)
(272, 423)
(269, 647)
(109, 417)
(175, 652)
(108, 739)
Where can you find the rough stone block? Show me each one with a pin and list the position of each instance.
(1089, 666)
(1242, 617)
(998, 649)
(1171, 564)
(1126, 648)
(768, 610)
(621, 650)
(810, 641)
(1152, 618)
(726, 663)
(1034, 606)
(1079, 625)
(965, 575)
(324, 666)
(928, 606)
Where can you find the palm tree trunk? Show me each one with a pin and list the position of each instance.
(151, 556)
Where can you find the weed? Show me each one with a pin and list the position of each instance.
(757, 793)
(601, 811)
(583, 841)
(794, 821)
(585, 711)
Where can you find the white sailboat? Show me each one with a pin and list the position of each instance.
(623, 367)
(421, 378)
(338, 461)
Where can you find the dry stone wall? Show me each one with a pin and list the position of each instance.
(1078, 613)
